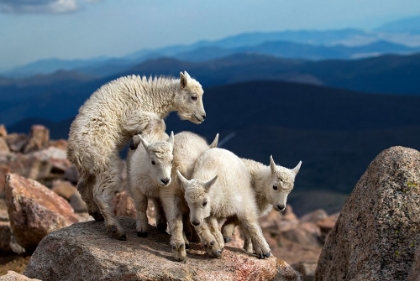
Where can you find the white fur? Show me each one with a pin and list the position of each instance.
(230, 194)
(272, 184)
(143, 184)
(109, 118)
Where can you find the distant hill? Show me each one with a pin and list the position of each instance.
(303, 44)
(386, 74)
(406, 25)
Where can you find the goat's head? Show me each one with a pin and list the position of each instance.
(280, 184)
(189, 102)
(160, 157)
(197, 197)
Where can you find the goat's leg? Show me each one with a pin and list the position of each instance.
(160, 217)
(104, 189)
(214, 229)
(140, 203)
(252, 231)
(208, 239)
(174, 218)
(228, 228)
(85, 188)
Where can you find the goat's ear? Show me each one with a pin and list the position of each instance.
(144, 142)
(134, 142)
(184, 79)
(297, 168)
(272, 164)
(171, 138)
(208, 184)
(183, 180)
(215, 142)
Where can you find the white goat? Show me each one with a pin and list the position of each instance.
(149, 174)
(228, 193)
(272, 184)
(109, 118)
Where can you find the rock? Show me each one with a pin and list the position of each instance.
(3, 172)
(326, 225)
(7, 240)
(63, 188)
(307, 269)
(415, 269)
(60, 144)
(14, 276)
(3, 131)
(378, 229)
(34, 210)
(124, 206)
(71, 175)
(38, 138)
(27, 166)
(306, 233)
(16, 142)
(5, 236)
(57, 158)
(77, 203)
(84, 252)
(314, 216)
(4, 148)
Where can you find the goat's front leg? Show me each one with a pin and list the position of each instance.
(174, 218)
(140, 203)
(212, 247)
(252, 230)
(214, 229)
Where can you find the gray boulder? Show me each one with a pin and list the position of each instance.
(84, 251)
(378, 229)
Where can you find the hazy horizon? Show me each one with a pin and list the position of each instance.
(81, 29)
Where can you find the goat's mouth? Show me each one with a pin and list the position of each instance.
(198, 118)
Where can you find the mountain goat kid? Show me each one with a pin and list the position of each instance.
(221, 188)
(272, 184)
(109, 118)
(149, 176)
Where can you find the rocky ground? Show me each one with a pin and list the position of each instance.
(378, 227)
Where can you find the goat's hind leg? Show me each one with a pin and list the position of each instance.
(104, 189)
(228, 228)
(85, 188)
(160, 217)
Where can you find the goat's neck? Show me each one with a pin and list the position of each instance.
(261, 181)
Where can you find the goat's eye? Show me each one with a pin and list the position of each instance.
(204, 203)
(274, 187)
(194, 98)
(153, 162)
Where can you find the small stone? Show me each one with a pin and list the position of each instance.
(38, 138)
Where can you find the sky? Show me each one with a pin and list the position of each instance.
(31, 30)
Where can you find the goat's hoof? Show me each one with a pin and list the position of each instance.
(122, 237)
(141, 234)
(97, 216)
(161, 227)
(227, 239)
(267, 254)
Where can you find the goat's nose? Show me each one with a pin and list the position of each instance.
(196, 223)
(204, 116)
(281, 207)
(165, 181)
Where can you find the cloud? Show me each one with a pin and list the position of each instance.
(41, 6)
